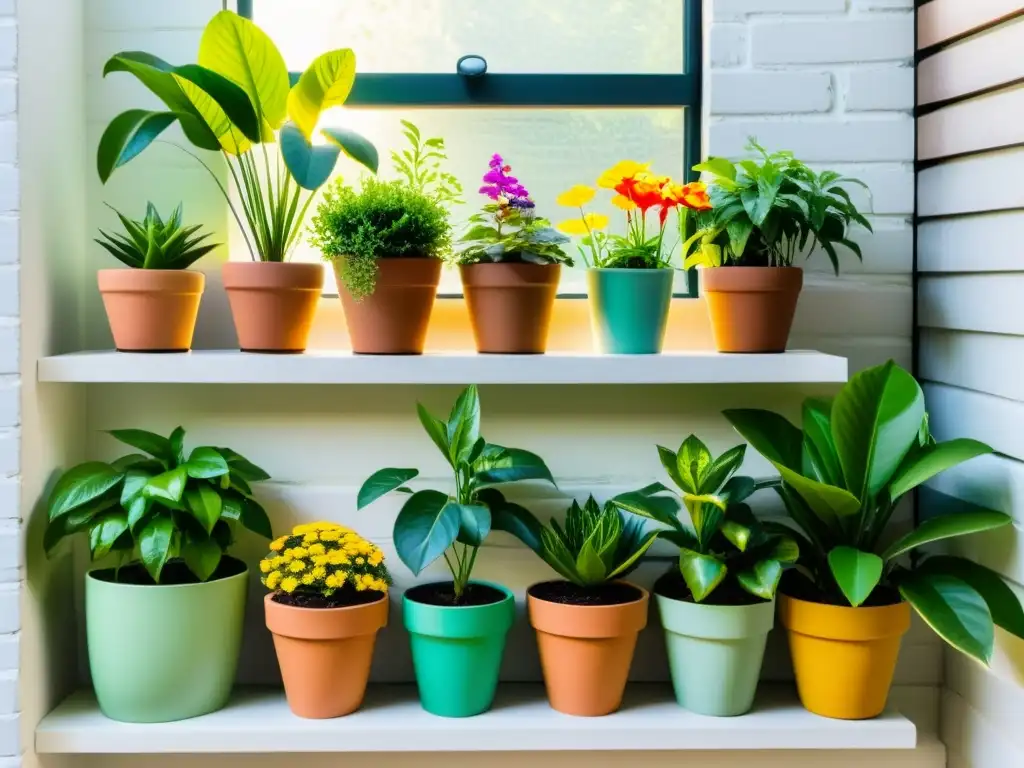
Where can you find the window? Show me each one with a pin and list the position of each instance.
(572, 86)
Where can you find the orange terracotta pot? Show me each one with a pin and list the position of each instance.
(393, 319)
(510, 305)
(273, 303)
(844, 658)
(325, 654)
(586, 651)
(752, 308)
(151, 310)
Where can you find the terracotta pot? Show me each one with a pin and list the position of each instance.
(752, 308)
(151, 310)
(273, 303)
(586, 651)
(510, 305)
(844, 658)
(393, 319)
(325, 654)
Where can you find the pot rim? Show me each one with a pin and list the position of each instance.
(759, 269)
(588, 622)
(644, 595)
(740, 621)
(633, 270)
(509, 595)
(243, 574)
(340, 610)
(844, 622)
(865, 608)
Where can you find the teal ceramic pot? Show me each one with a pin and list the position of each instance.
(629, 309)
(163, 653)
(715, 653)
(456, 652)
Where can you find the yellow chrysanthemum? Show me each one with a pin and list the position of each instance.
(273, 579)
(376, 558)
(266, 566)
(297, 566)
(310, 538)
(578, 196)
(278, 544)
(325, 558)
(316, 549)
(321, 559)
(622, 170)
(297, 552)
(290, 584)
(360, 561)
(319, 572)
(330, 535)
(308, 579)
(287, 557)
(589, 223)
(334, 581)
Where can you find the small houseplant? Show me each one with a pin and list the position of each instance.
(630, 277)
(510, 265)
(587, 625)
(386, 242)
(848, 602)
(235, 101)
(458, 627)
(328, 599)
(766, 212)
(718, 606)
(173, 595)
(153, 305)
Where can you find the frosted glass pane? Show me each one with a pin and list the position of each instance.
(529, 36)
(549, 150)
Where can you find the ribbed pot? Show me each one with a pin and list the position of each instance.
(629, 309)
(510, 305)
(273, 303)
(151, 310)
(752, 308)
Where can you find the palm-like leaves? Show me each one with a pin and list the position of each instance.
(156, 244)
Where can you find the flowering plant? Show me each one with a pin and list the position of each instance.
(323, 559)
(509, 229)
(638, 192)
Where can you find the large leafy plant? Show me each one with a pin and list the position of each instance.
(154, 243)
(768, 210)
(434, 524)
(843, 475)
(160, 505)
(236, 100)
(722, 539)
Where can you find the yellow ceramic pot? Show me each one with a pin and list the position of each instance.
(844, 658)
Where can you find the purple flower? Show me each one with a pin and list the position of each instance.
(499, 184)
(496, 161)
(491, 191)
(523, 203)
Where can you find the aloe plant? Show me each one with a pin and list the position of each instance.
(843, 474)
(154, 243)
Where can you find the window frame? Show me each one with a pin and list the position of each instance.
(683, 90)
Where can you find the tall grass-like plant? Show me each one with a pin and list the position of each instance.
(236, 100)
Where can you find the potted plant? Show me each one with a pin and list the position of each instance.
(765, 213)
(848, 604)
(386, 242)
(235, 101)
(718, 606)
(630, 277)
(153, 305)
(457, 628)
(510, 267)
(587, 625)
(328, 600)
(164, 625)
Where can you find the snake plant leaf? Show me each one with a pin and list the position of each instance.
(630, 562)
(105, 530)
(156, 543)
(475, 523)
(426, 526)
(326, 83)
(702, 573)
(127, 136)
(954, 609)
(947, 527)
(240, 51)
(202, 555)
(354, 146)
(761, 579)
(556, 554)
(309, 165)
(590, 566)
(381, 482)
(1002, 602)
(857, 573)
(921, 464)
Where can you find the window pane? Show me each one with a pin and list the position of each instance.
(533, 36)
(549, 150)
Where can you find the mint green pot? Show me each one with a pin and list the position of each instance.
(715, 653)
(456, 653)
(629, 309)
(163, 653)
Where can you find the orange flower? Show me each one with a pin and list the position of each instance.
(695, 196)
(643, 189)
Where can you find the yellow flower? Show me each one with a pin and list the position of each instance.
(297, 552)
(308, 579)
(311, 538)
(297, 566)
(623, 202)
(584, 226)
(278, 544)
(578, 196)
(316, 549)
(321, 559)
(273, 579)
(266, 566)
(289, 584)
(319, 572)
(614, 175)
(376, 558)
(333, 535)
(287, 557)
(360, 561)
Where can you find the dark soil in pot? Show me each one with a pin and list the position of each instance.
(673, 586)
(796, 585)
(614, 593)
(346, 597)
(442, 593)
(174, 574)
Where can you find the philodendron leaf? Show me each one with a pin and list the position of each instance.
(383, 482)
(954, 609)
(104, 531)
(80, 485)
(770, 434)
(463, 427)
(167, 487)
(702, 573)
(255, 518)
(202, 555)
(736, 533)
(242, 466)
(435, 429)
(475, 523)
(761, 579)
(205, 462)
(670, 461)
(694, 463)
(150, 442)
(309, 164)
(205, 505)
(326, 83)
(512, 518)
(723, 468)
(924, 463)
(127, 136)
(155, 541)
(661, 509)
(426, 526)
(177, 441)
(857, 573)
(1002, 602)
(354, 146)
(508, 465)
(947, 527)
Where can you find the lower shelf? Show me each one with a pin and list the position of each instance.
(258, 721)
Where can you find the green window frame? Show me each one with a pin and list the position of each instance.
(683, 90)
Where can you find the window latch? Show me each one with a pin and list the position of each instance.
(471, 65)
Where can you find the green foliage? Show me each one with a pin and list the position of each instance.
(722, 539)
(766, 212)
(504, 234)
(156, 244)
(843, 475)
(384, 220)
(158, 507)
(433, 524)
(420, 166)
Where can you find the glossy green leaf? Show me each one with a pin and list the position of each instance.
(507, 465)
(177, 438)
(947, 527)
(738, 534)
(702, 573)
(354, 146)
(786, 549)
(512, 518)
(463, 427)
(630, 562)
(857, 573)
(770, 434)
(167, 486)
(311, 165)
(153, 444)
(737, 489)
(383, 482)
(554, 552)
(723, 468)
(954, 609)
(662, 509)
(326, 83)
(761, 579)
(255, 518)
(231, 505)
(426, 526)
(670, 461)
(475, 523)
(435, 429)
(133, 461)
(202, 555)
(155, 540)
(818, 442)
(693, 460)
(205, 505)
(827, 502)
(589, 565)
(205, 463)
(1002, 601)
(134, 482)
(718, 166)
(706, 514)
(922, 464)
(104, 530)
(127, 136)
(138, 509)
(80, 485)
(242, 466)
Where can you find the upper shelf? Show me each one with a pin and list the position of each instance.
(332, 367)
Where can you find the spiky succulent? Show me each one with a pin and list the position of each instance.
(154, 243)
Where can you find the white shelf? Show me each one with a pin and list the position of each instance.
(233, 367)
(258, 721)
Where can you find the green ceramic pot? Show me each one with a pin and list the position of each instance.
(456, 652)
(629, 309)
(163, 653)
(715, 653)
